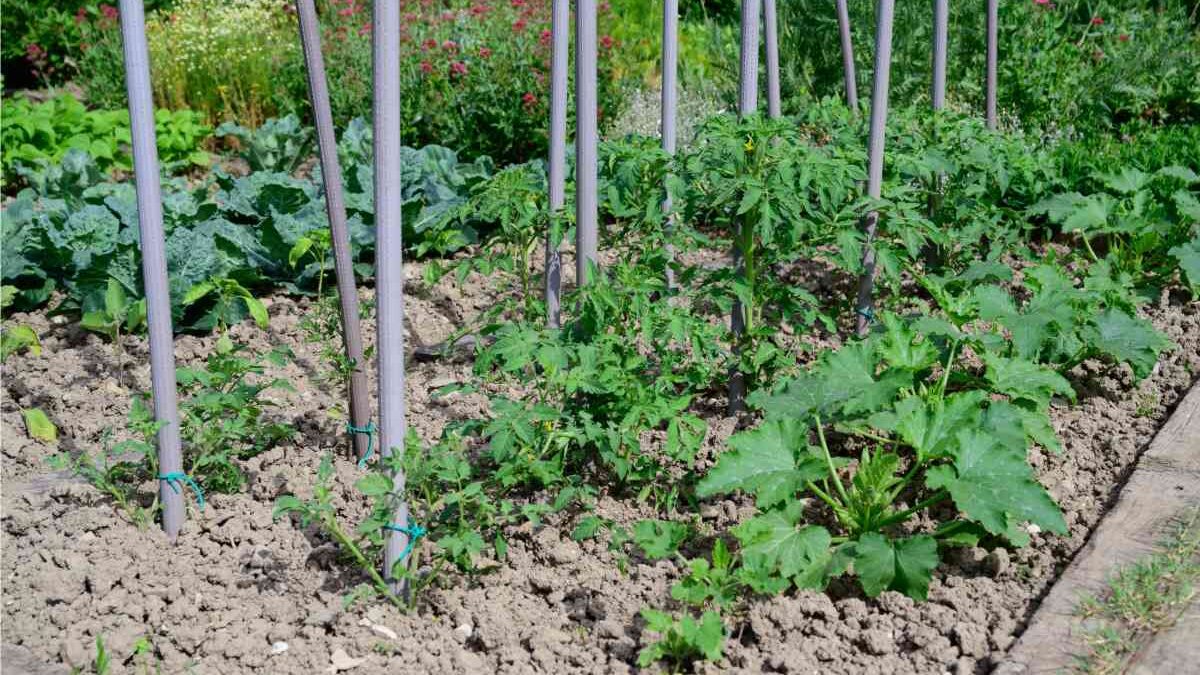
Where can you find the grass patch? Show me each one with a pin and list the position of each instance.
(1141, 600)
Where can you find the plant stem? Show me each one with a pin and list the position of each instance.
(908, 513)
(837, 481)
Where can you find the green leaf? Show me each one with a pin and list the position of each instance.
(993, 485)
(659, 538)
(114, 298)
(196, 292)
(774, 542)
(258, 311)
(1025, 380)
(765, 462)
(932, 428)
(286, 504)
(709, 636)
(374, 485)
(38, 426)
(1128, 339)
(1188, 256)
(588, 527)
(844, 382)
(904, 565)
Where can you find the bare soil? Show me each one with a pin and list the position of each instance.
(237, 585)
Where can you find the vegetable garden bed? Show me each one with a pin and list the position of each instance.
(243, 592)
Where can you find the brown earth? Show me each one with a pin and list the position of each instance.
(237, 585)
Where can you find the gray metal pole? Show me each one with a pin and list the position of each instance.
(879, 108)
(747, 105)
(771, 36)
(154, 263)
(335, 205)
(560, 41)
(843, 16)
(941, 16)
(586, 166)
(389, 266)
(992, 39)
(670, 98)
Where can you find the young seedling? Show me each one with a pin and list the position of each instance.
(228, 297)
(118, 313)
(682, 641)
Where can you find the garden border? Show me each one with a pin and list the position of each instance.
(1165, 481)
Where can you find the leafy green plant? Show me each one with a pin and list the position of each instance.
(15, 339)
(682, 641)
(929, 433)
(320, 512)
(35, 135)
(222, 414)
(227, 302)
(118, 313)
(281, 144)
(1137, 220)
(228, 60)
(120, 468)
(714, 582)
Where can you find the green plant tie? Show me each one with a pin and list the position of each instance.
(866, 313)
(175, 478)
(414, 533)
(369, 430)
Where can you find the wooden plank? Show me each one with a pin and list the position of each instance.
(1165, 482)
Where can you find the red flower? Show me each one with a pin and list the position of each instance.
(484, 52)
(529, 100)
(1123, 38)
(519, 25)
(429, 44)
(606, 41)
(458, 68)
(109, 12)
(81, 15)
(365, 29)
(450, 46)
(1097, 21)
(426, 67)
(544, 38)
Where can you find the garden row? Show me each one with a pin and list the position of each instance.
(1036, 261)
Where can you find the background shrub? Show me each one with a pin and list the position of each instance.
(1063, 64)
(475, 72)
(229, 59)
(33, 135)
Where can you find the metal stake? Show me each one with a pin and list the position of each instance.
(879, 107)
(843, 15)
(586, 167)
(941, 16)
(771, 36)
(389, 267)
(335, 206)
(670, 76)
(560, 39)
(992, 40)
(747, 105)
(154, 260)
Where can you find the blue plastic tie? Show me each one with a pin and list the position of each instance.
(369, 430)
(175, 478)
(866, 313)
(414, 533)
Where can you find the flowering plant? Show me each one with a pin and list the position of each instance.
(475, 73)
